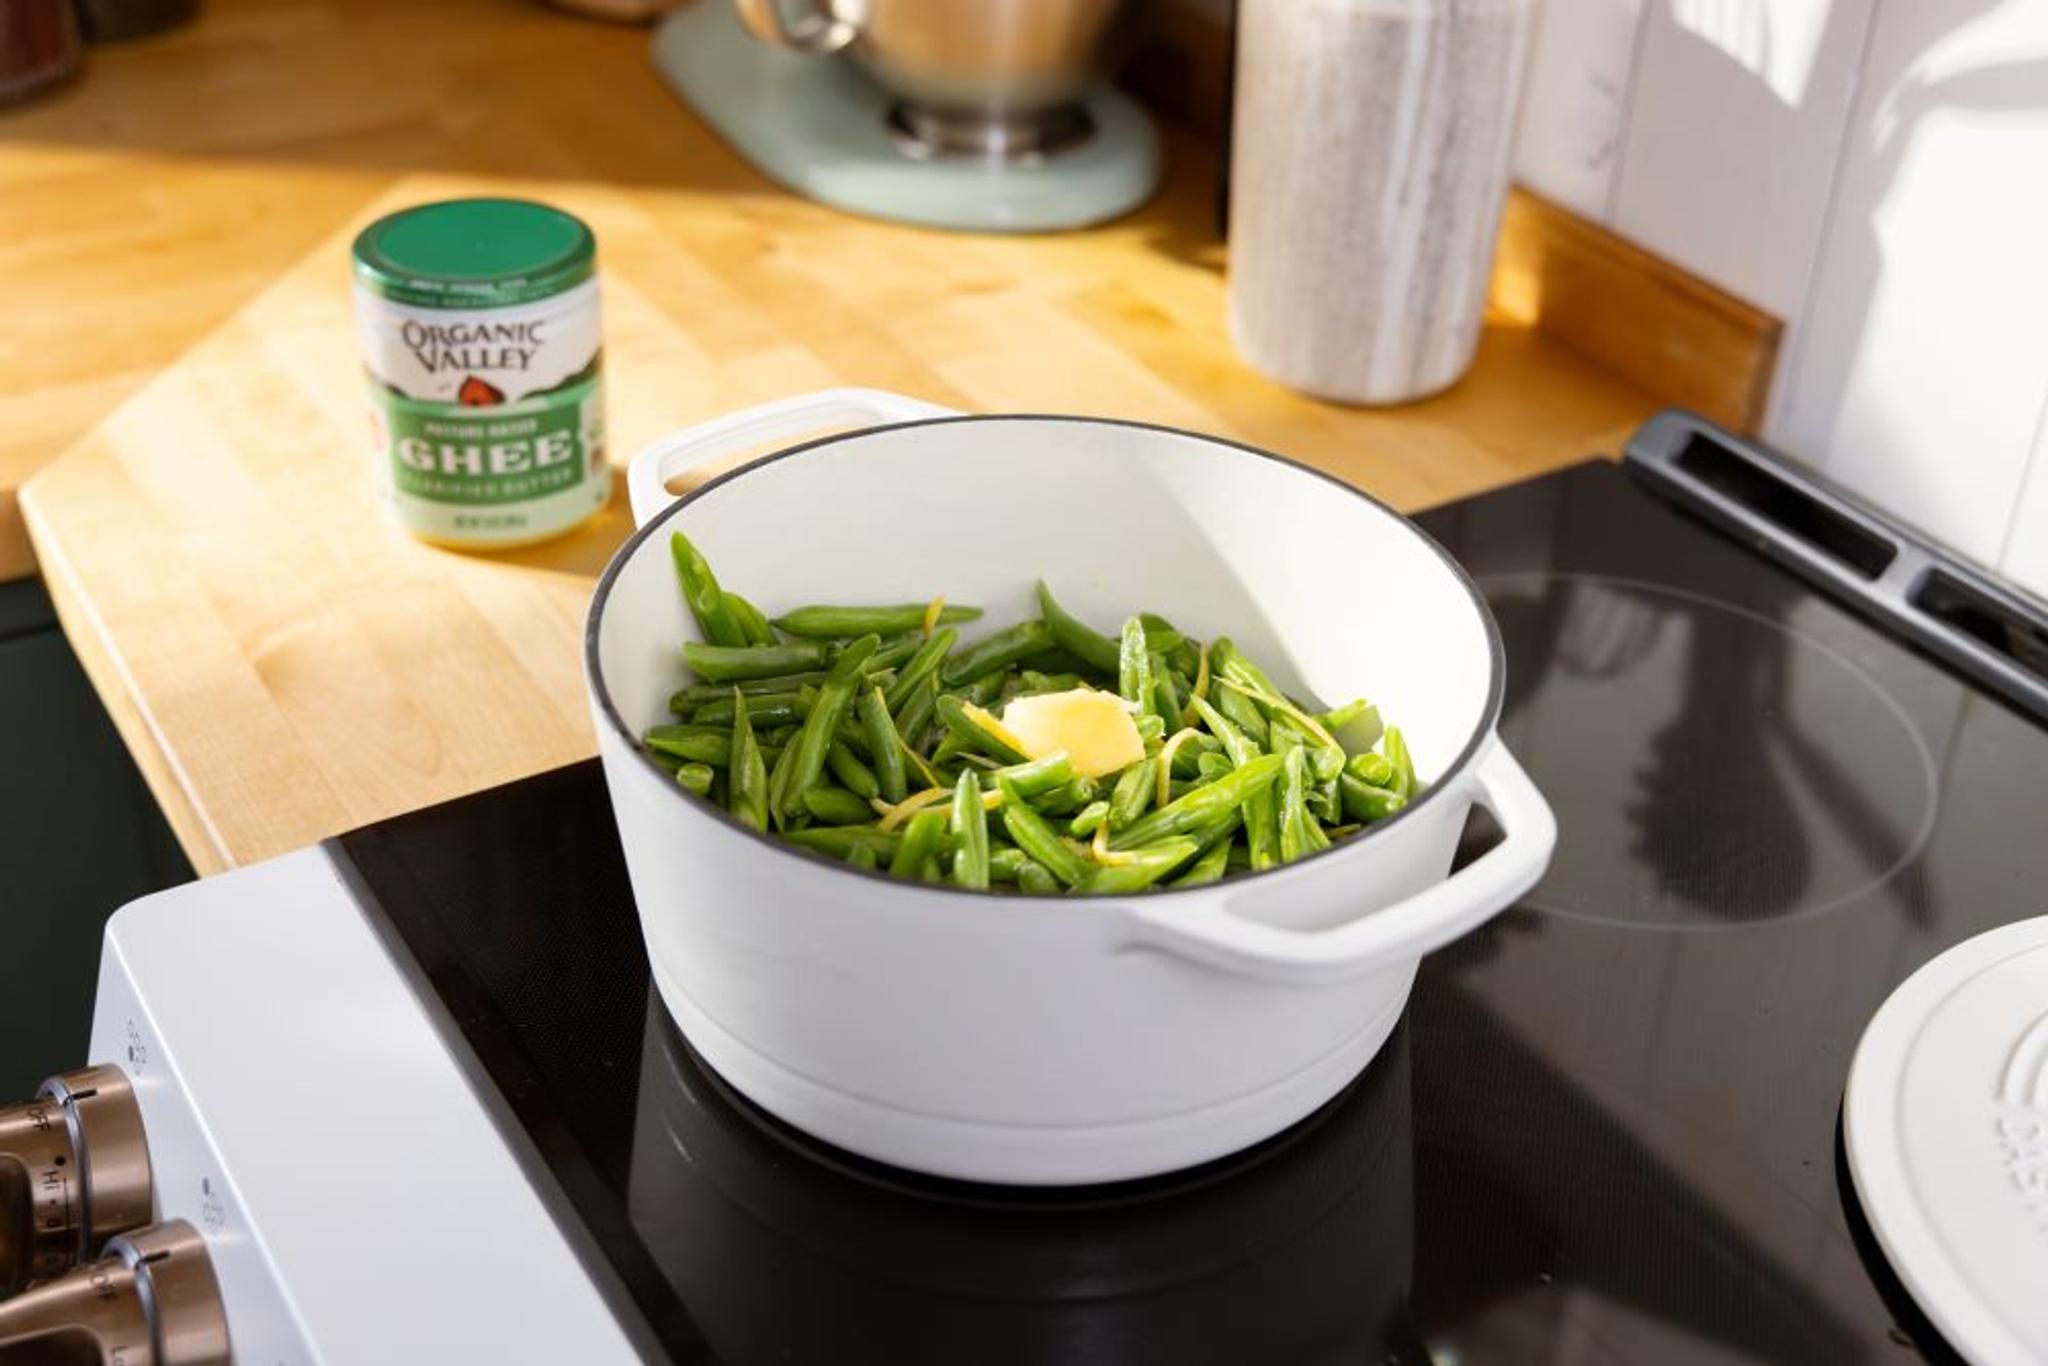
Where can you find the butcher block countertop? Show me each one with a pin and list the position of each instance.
(182, 411)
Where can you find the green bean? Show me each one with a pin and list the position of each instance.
(1032, 681)
(893, 652)
(1356, 725)
(702, 694)
(1218, 831)
(1151, 729)
(1083, 825)
(715, 620)
(846, 766)
(1067, 798)
(749, 794)
(836, 623)
(1034, 880)
(1208, 868)
(1036, 777)
(1075, 636)
(885, 746)
(1237, 746)
(1227, 661)
(1240, 675)
(1204, 804)
(1243, 713)
(1321, 765)
(920, 843)
(1325, 761)
(952, 744)
(841, 840)
(1147, 866)
(973, 734)
(983, 690)
(1005, 861)
(920, 666)
(1133, 793)
(1295, 841)
(853, 736)
(767, 709)
(731, 663)
(969, 826)
(998, 651)
(862, 856)
(696, 777)
(835, 699)
(1134, 667)
(916, 716)
(671, 762)
(691, 744)
(837, 806)
(1037, 839)
(1396, 746)
(678, 729)
(1371, 768)
(778, 783)
(1209, 766)
(1165, 702)
(1187, 760)
(1161, 636)
(1262, 810)
(1365, 802)
(1324, 803)
(752, 624)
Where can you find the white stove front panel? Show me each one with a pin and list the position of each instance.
(303, 1111)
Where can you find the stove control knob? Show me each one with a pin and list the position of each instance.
(151, 1301)
(74, 1171)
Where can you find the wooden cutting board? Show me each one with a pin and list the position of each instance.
(286, 665)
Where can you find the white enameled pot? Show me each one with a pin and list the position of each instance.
(1052, 1041)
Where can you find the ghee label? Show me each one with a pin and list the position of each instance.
(489, 420)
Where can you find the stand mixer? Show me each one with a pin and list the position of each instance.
(977, 114)
(999, 78)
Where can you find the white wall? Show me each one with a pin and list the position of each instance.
(1875, 172)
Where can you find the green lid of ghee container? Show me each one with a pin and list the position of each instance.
(480, 332)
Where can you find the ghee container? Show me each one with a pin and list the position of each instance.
(479, 327)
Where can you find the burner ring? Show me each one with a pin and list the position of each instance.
(1623, 648)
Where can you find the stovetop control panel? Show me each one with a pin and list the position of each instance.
(267, 1039)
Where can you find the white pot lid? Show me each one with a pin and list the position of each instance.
(1946, 1126)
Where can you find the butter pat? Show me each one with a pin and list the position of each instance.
(1095, 729)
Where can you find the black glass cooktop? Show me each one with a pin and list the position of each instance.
(1606, 1131)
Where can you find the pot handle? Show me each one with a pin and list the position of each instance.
(816, 32)
(785, 419)
(1205, 929)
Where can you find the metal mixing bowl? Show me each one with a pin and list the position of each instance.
(998, 77)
